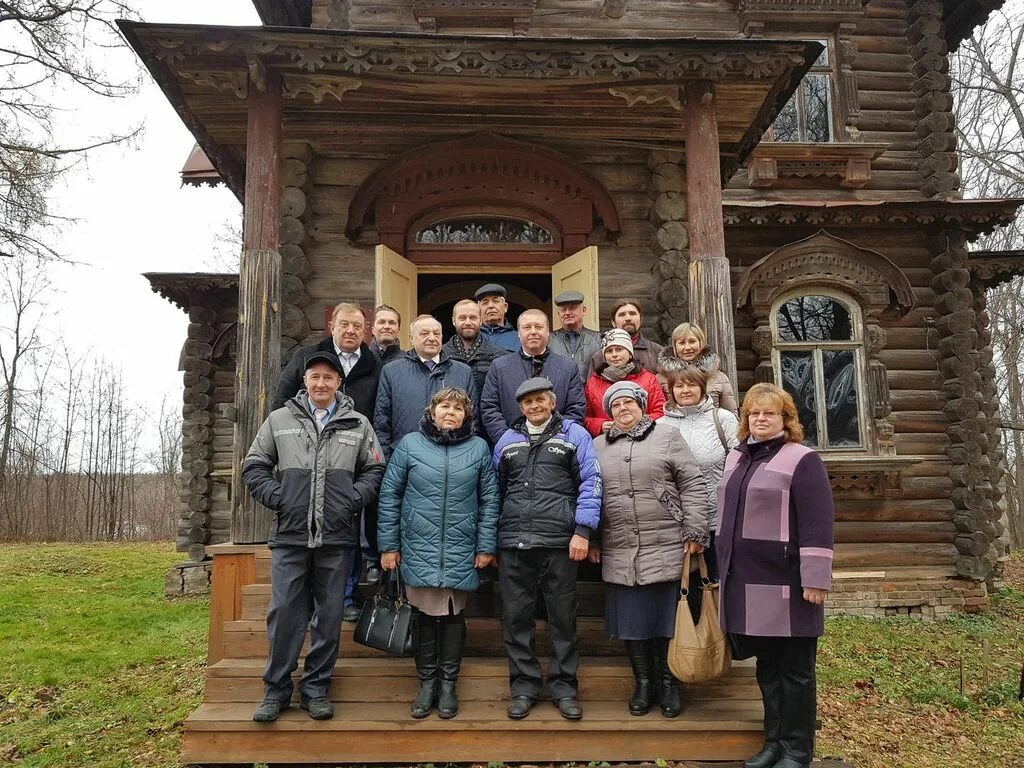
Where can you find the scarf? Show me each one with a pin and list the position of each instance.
(613, 373)
(638, 431)
(459, 345)
(537, 360)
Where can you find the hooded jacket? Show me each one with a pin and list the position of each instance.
(406, 386)
(360, 384)
(719, 388)
(504, 336)
(654, 499)
(439, 506)
(323, 479)
(550, 487)
(696, 424)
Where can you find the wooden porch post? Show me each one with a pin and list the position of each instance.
(259, 294)
(710, 284)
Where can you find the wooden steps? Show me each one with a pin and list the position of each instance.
(721, 721)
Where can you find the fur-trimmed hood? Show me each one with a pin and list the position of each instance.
(706, 362)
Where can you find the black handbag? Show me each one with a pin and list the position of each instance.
(386, 621)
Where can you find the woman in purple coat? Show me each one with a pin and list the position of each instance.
(774, 547)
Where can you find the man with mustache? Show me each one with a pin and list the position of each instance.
(469, 346)
(493, 307)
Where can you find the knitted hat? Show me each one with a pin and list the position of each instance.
(618, 338)
(624, 389)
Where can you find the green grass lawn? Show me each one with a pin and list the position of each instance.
(98, 669)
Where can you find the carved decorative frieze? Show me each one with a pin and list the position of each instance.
(757, 15)
(992, 268)
(650, 94)
(513, 15)
(848, 162)
(319, 87)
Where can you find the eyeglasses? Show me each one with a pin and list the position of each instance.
(765, 414)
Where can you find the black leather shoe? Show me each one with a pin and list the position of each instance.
(351, 613)
(269, 710)
(569, 707)
(520, 707)
(319, 707)
(789, 762)
(766, 758)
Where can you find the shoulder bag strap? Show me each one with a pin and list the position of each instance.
(718, 428)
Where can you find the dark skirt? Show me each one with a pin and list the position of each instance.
(641, 613)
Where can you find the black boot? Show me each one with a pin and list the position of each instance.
(771, 694)
(452, 643)
(426, 665)
(799, 703)
(668, 686)
(641, 659)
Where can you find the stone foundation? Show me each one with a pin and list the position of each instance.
(929, 599)
(188, 579)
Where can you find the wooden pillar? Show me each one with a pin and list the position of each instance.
(710, 284)
(258, 366)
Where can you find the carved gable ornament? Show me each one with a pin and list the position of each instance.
(824, 260)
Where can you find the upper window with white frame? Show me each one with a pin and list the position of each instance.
(809, 115)
(819, 360)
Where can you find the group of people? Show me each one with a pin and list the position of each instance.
(534, 451)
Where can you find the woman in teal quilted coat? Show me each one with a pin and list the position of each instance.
(438, 518)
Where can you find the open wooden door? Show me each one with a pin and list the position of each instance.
(578, 273)
(396, 285)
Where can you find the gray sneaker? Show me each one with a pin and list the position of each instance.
(319, 707)
(269, 710)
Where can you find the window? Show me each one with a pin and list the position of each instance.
(489, 229)
(819, 360)
(807, 117)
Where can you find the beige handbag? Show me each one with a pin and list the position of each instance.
(698, 653)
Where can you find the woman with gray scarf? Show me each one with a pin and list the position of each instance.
(654, 499)
(619, 365)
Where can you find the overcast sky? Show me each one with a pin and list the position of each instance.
(133, 217)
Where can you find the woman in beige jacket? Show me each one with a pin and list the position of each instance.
(654, 499)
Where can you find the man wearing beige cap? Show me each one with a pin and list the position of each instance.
(574, 340)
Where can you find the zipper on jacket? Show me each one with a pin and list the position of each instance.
(444, 506)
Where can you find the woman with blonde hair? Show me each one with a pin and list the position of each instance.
(774, 545)
(690, 347)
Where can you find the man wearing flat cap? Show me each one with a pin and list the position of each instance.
(574, 340)
(328, 466)
(493, 306)
(550, 485)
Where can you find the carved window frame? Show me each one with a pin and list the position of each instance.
(855, 344)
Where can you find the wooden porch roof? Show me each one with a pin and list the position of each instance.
(381, 94)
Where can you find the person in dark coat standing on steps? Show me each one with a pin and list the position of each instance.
(314, 463)
(499, 407)
(360, 367)
(469, 346)
(775, 547)
(438, 525)
(408, 383)
(574, 340)
(550, 485)
(493, 308)
(386, 327)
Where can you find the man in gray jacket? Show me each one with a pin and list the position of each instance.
(329, 466)
(573, 339)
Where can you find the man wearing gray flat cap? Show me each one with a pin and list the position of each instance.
(493, 306)
(550, 486)
(574, 340)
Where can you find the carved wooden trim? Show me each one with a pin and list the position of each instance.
(504, 172)
(649, 94)
(756, 16)
(513, 15)
(992, 268)
(823, 259)
(850, 162)
(873, 476)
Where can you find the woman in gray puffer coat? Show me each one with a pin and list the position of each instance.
(709, 432)
(653, 513)
(437, 522)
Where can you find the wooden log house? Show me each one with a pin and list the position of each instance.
(782, 172)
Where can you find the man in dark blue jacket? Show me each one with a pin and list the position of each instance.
(496, 329)
(408, 382)
(550, 485)
(498, 405)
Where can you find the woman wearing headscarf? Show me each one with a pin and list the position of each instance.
(709, 431)
(619, 365)
(689, 347)
(654, 499)
(775, 541)
(438, 518)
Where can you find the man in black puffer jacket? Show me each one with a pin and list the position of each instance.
(329, 465)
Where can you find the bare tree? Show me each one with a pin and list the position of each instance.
(49, 52)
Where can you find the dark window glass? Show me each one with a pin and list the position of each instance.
(816, 108)
(814, 318)
(787, 124)
(485, 230)
(798, 380)
(840, 376)
(822, 59)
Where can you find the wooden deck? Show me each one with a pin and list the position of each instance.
(371, 692)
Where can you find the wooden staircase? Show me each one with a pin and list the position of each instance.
(372, 691)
